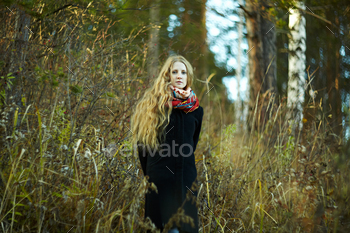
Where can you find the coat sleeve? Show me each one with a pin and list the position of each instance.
(143, 158)
(198, 128)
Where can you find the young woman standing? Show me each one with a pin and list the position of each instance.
(167, 124)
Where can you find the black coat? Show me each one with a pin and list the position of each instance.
(173, 175)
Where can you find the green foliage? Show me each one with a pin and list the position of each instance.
(76, 89)
(63, 129)
(37, 68)
(63, 137)
(272, 11)
(7, 80)
(60, 72)
(286, 152)
(281, 23)
(54, 82)
(110, 94)
(2, 63)
(2, 96)
(230, 129)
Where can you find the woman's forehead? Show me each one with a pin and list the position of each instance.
(178, 65)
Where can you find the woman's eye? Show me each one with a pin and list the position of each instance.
(174, 72)
(183, 72)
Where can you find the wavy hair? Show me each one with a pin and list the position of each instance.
(152, 115)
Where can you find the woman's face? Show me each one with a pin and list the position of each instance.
(178, 75)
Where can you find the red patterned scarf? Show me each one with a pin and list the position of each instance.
(184, 99)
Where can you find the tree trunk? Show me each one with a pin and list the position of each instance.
(269, 54)
(333, 90)
(338, 116)
(296, 64)
(204, 45)
(20, 44)
(21, 35)
(262, 49)
(238, 102)
(153, 44)
(254, 55)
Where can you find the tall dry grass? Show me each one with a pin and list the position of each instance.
(266, 181)
(277, 178)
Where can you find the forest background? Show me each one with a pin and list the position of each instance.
(71, 73)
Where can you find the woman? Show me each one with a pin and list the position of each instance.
(166, 127)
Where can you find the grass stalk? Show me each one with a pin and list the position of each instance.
(41, 171)
(261, 208)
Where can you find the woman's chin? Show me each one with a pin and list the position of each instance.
(179, 87)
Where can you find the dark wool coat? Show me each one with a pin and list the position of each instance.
(173, 170)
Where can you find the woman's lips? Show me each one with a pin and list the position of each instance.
(178, 82)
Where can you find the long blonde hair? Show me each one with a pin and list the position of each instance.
(151, 115)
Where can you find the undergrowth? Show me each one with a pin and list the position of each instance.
(267, 181)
